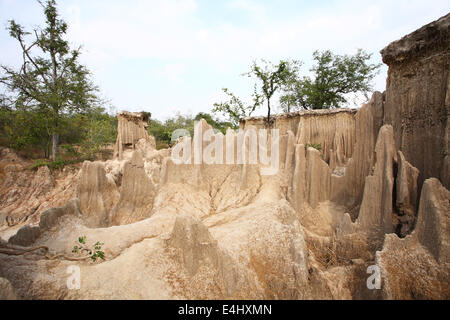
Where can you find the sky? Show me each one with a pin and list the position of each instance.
(175, 56)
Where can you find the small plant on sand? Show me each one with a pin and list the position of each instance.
(316, 146)
(94, 252)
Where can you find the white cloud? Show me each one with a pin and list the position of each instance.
(174, 72)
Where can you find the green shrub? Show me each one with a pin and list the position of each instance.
(316, 146)
(94, 253)
(38, 163)
(58, 164)
(70, 150)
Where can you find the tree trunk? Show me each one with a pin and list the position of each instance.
(55, 142)
(268, 112)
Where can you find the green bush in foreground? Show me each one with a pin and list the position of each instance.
(94, 252)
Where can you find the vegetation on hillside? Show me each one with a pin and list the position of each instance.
(332, 78)
(50, 85)
(162, 131)
(269, 79)
(51, 111)
(81, 136)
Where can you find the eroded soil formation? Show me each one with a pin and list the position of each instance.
(375, 194)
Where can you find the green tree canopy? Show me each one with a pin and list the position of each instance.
(50, 81)
(235, 109)
(162, 130)
(334, 76)
(217, 124)
(269, 79)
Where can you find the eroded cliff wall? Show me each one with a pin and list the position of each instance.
(132, 126)
(418, 97)
(228, 231)
(333, 130)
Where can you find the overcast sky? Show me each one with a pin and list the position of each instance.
(176, 55)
